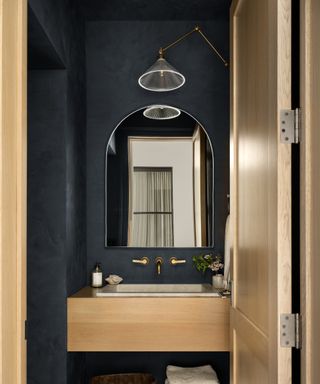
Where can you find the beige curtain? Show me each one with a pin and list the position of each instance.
(152, 221)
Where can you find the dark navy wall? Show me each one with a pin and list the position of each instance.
(46, 226)
(117, 53)
(56, 194)
(65, 28)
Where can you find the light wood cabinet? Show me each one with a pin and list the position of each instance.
(147, 323)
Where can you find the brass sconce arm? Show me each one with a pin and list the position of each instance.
(181, 38)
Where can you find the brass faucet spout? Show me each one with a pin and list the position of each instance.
(159, 262)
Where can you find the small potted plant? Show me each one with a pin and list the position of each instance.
(214, 264)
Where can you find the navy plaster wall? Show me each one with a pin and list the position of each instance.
(56, 194)
(59, 158)
(46, 228)
(117, 53)
(155, 10)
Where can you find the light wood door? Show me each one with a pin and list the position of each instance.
(260, 190)
(13, 45)
(310, 189)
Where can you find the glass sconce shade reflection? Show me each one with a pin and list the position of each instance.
(161, 112)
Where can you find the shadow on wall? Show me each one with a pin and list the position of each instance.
(56, 185)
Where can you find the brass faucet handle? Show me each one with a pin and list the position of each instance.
(144, 261)
(175, 261)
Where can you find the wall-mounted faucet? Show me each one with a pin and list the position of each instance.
(144, 261)
(159, 262)
(175, 261)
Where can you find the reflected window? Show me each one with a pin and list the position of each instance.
(171, 162)
(151, 219)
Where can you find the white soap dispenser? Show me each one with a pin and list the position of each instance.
(96, 277)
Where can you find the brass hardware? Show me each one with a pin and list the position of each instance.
(212, 47)
(144, 260)
(179, 39)
(195, 29)
(159, 262)
(175, 261)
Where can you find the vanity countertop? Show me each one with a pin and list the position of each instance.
(149, 290)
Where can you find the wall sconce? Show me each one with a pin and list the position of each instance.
(162, 76)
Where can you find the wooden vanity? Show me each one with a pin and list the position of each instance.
(147, 323)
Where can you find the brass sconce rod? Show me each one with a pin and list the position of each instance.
(181, 38)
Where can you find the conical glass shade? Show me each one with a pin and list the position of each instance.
(161, 77)
(161, 112)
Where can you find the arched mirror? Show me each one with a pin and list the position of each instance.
(159, 181)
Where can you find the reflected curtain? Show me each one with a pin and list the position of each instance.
(152, 208)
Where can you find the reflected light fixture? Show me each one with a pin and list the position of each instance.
(162, 76)
(161, 112)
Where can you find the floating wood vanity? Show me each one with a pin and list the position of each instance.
(147, 323)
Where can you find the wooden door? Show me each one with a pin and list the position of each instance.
(260, 190)
(310, 189)
(13, 45)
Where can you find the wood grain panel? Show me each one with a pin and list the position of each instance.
(251, 347)
(260, 189)
(249, 368)
(13, 45)
(148, 324)
(310, 189)
(253, 161)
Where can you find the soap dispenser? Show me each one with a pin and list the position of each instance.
(96, 277)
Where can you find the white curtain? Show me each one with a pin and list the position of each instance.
(152, 219)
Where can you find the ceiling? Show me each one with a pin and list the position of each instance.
(155, 9)
(41, 53)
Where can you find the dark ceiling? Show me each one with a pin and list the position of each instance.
(41, 53)
(155, 9)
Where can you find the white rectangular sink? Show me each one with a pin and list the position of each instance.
(172, 290)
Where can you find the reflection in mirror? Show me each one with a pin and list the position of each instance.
(159, 184)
